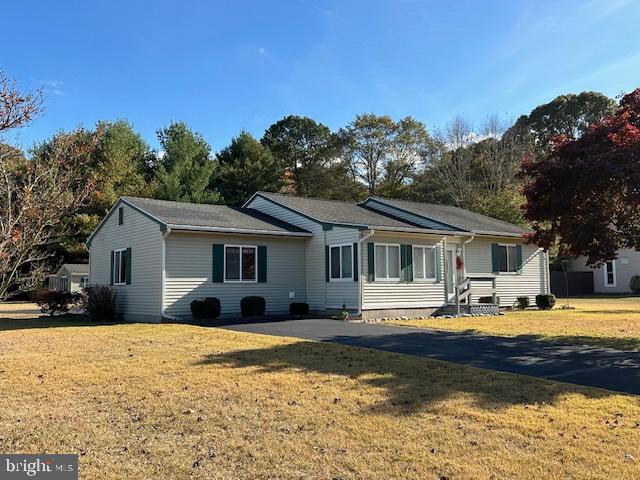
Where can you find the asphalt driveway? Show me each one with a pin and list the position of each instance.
(579, 364)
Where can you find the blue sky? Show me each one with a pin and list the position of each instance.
(227, 66)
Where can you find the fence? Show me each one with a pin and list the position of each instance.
(580, 283)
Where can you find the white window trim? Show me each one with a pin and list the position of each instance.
(339, 247)
(114, 266)
(615, 275)
(240, 280)
(388, 279)
(66, 283)
(425, 248)
(515, 272)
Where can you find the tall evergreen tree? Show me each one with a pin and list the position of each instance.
(246, 166)
(183, 172)
(306, 151)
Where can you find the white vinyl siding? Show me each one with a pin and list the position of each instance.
(627, 264)
(342, 292)
(189, 270)
(321, 294)
(397, 294)
(141, 300)
(314, 249)
(530, 281)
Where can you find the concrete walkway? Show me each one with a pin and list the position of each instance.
(579, 364)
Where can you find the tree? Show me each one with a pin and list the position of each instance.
(246, 166)
(451, 166)
(123, 158)
(585, 195)
(568, 115)
(384, 154)
(39, 199)
(411, 145)
(184, 169)
(305, 148)
(17, 108)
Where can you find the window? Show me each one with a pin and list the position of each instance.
(424, 263)
(120, 267)
(84, 281)
(387, 262)
(64, 284)
(120, 216)
(508, 258)
(239, 263)
(610, 274)
(341, 262)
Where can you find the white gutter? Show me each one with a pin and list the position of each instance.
(452, 233)
(195, 228)
(360, 272)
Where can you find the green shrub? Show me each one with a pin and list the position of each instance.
(522, 303)
(299, 308)
(252, 306)
(546, 301)
(52, 302)
(100, 302)
(634, 284)
(205, 308)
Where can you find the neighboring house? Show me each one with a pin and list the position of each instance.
(71, 277)
(377, 258)
(613, 276)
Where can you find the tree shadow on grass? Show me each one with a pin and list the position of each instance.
(50, 322)
(410, 384)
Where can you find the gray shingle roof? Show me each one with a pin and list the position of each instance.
(334, 211)
(211, 216)
(77, 268)
(457, 217)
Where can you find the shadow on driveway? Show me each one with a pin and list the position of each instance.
(580, 364)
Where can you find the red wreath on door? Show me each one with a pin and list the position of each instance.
(459, 263)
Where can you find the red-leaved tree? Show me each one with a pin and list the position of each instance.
(585, 195)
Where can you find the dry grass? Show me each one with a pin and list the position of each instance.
(607, 321)
(176, 402)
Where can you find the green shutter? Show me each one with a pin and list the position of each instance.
(218, 264)
(326, 263)
(112, 260)
(438, 263)
(371, 262)
(127, 272)
(519, 258)
(495, 257)
(406, 263)
(262, 264)
(355, 262)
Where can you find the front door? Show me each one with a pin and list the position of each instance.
(450, 272)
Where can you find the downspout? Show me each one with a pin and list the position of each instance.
(163, 266)
(360, 272)
(464, 254)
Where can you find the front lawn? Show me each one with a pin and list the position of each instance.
(605, 321)
(176, 401)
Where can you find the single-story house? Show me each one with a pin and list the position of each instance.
(377, 258)
(70, 277)
(613, 276)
